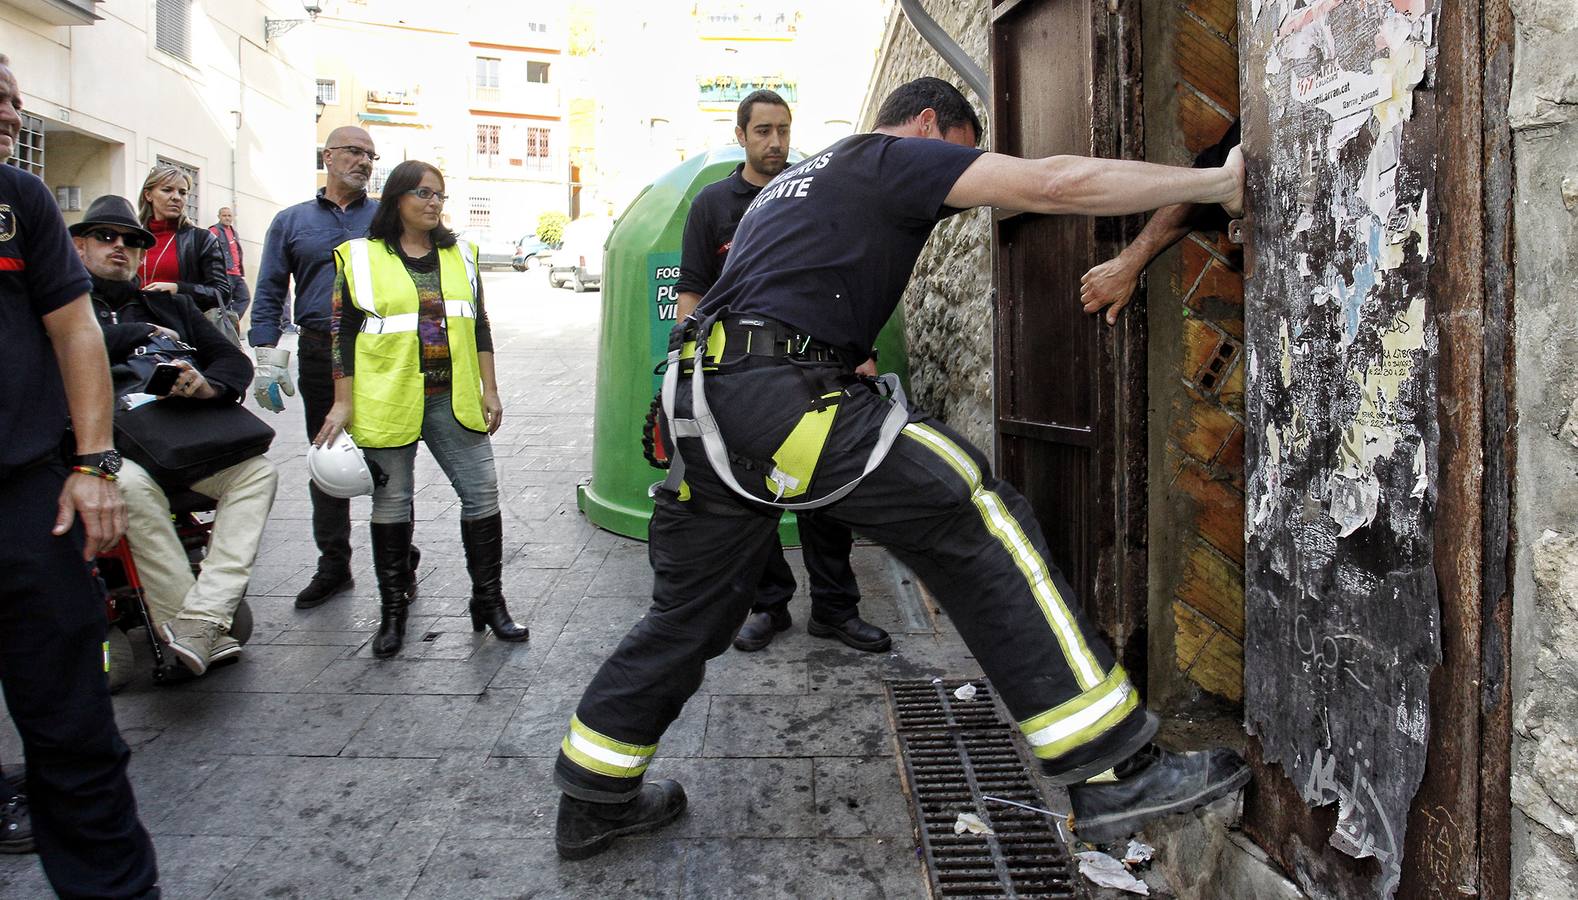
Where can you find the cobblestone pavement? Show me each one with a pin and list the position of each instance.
(311, 769)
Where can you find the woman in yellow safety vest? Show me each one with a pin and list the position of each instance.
(413, 360)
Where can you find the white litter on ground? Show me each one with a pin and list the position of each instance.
(972, 823)
(1108, 872)
(1138, 853)
(965, 692)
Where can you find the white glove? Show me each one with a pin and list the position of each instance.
(270, 377)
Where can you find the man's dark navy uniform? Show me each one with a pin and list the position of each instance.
(820, 260)
(52, 617)
(826, 544)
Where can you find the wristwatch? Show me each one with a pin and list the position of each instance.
(108, 462)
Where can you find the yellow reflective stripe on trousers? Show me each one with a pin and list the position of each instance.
(1084, 718)
(604, 755)
(1001, 523)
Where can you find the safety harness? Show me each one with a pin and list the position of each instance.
(764, 337)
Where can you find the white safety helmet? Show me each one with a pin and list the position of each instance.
(339, 469)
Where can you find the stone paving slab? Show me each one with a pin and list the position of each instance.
(311, 769)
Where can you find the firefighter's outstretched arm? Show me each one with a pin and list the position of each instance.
(1079, 185)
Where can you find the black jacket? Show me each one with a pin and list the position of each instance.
(202, 260)
(124, 313)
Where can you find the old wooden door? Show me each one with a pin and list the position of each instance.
(1374, 658)
(1070, 391)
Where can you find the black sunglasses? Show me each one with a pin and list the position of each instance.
(110, 236)
(357, 152)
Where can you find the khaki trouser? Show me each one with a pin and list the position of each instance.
(245, 492)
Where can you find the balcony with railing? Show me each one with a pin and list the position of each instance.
(726, 89)
(526, 98)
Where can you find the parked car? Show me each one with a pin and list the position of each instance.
(579, 263)
(493, 250)
(531, 253)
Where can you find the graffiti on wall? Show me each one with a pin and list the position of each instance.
(1342, 615)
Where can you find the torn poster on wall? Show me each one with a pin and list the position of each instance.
(1341, 608)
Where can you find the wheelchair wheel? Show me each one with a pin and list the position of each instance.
(120, 659)
(241, 623)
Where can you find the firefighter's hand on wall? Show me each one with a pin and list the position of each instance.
(1109, 286)
(492, 410)
(1235, 164)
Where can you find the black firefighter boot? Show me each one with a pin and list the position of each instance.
(484, 540)
(392, 565)
(586, 829)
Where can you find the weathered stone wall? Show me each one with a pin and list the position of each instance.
(1544, 119)
(948, 306)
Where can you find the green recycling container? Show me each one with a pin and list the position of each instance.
(640, 269)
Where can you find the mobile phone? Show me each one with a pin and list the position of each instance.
(162, 379)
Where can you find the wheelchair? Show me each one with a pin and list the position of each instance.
(126, 608)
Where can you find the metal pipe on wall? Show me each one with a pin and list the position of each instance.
(947, 47)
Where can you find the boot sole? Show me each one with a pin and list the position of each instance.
(817, 629)
(1112, 828)
(604, 841)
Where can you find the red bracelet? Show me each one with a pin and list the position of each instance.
(96, 473)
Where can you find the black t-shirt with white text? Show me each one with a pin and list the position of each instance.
(40, 272)
(828, 246)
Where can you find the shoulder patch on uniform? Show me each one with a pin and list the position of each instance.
(7, 222)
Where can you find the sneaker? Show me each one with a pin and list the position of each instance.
(226, 650)
(192, 641)
(1157, 783)
(16, 825)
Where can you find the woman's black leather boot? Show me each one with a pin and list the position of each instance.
(484, 542)
(392, 565)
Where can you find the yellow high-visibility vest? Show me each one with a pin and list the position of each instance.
(389, 390)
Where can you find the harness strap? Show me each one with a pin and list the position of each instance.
(705, 426)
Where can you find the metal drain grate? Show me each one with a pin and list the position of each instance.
(955, 753)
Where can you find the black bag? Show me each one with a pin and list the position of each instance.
(180, 441)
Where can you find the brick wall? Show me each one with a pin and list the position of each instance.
(947, 307)
(1195, 306)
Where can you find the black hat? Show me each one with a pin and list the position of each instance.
(113, 209)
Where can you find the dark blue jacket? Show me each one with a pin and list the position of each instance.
(300, 244)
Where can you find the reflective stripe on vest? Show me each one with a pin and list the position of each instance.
(389, 390)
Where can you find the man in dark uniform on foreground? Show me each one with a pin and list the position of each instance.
(819, 261)
(55, 515)
(762, 125)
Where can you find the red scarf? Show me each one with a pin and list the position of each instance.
(162, 261)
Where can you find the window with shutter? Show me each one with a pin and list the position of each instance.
(192, 173)
(173, 28)
(29, 152)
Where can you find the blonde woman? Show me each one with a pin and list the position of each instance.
(185, 258)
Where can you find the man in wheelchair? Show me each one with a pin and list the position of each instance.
(193, 615)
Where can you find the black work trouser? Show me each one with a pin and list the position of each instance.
(240, 295)
(932, 502)
(825, 545)
(331, 516)
(52, 662)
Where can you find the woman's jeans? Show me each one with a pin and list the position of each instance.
(465, 456)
